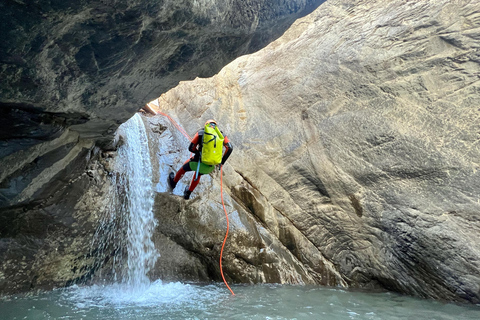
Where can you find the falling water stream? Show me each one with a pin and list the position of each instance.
(125, 231)
(129, 230)
(134, 162)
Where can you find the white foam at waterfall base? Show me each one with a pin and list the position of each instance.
(133, 164)
(156, 294)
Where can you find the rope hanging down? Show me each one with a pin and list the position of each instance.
(221, 194)
(226, 234)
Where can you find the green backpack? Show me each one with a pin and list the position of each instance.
(212, 148)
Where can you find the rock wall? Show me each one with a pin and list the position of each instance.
(103, 59)
(356, 141)
(48, 244)
(88, 66)
(72, 72)
(190, 233)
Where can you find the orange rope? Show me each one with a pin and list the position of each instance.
(176, 125)
(226, 234)
(221, 194)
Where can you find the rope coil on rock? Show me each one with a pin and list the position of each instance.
(221, 195)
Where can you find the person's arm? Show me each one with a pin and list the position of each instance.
(194, 146)
(228, 149)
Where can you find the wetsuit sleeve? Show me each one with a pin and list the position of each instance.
(194, 144)
(228, 149)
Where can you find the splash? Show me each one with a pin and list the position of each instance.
(157, 294)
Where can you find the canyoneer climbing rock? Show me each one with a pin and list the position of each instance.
(207, 146)
(173, 182)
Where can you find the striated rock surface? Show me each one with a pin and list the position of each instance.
(357, 139)
(72, 72)
(190, 233)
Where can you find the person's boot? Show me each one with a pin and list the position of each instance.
(171, 181)
(187, 193)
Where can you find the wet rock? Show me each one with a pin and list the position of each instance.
(49, 243)
(358, 131)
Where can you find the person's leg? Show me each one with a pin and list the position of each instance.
(174, 178)
(181, 172)
(194, 182)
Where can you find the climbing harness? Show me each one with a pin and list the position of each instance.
(221, 195)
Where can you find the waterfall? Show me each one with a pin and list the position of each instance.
(125, 232)
(134, 165)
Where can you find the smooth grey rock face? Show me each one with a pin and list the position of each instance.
(72, 72)
(360, 127)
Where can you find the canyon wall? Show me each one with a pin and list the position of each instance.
(357, 139)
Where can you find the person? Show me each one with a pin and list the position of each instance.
(191, 164)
